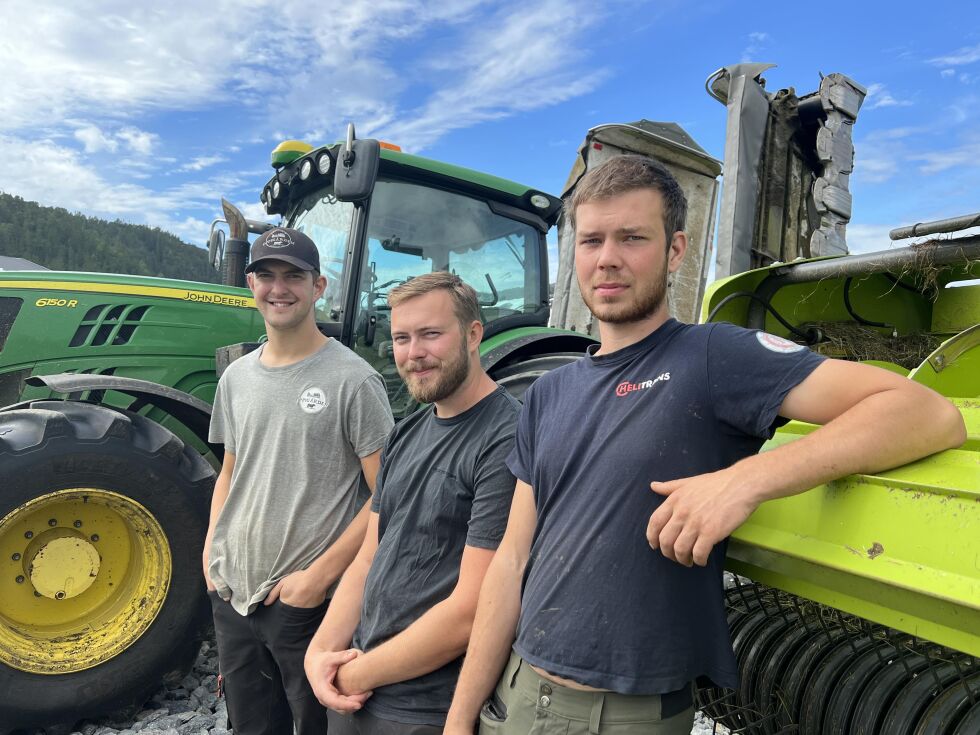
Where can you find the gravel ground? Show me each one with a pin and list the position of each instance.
(192, 707)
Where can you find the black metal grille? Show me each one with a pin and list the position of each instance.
(103, 322)
(807, 668)
(9, 308)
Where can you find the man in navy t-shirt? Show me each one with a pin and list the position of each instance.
(606, 596)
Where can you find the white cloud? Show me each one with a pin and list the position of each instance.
(95, 140)
(255, 211)
(946, 73)
(202, 162)
(879, 96)
(347, 61)
(757, 44)
(863, 238)
(965, 55)
(882, 154)
(138, 141)
(522, 59)
(129, 140)
(55, 175)
(964, 156)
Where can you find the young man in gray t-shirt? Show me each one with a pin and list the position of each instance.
(302, 420)
(438, 514)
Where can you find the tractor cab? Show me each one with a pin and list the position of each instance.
(401, 217)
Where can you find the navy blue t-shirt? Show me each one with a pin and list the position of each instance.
(599, 606)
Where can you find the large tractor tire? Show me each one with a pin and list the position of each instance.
(517, 377)
(103, 514)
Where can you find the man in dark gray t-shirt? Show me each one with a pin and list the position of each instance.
(439, 511)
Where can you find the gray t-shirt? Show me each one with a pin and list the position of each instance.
(297, 433)
(443, 485)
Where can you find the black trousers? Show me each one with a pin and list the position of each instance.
(364, 723)
(261, 660)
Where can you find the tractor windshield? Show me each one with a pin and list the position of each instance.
(414, 229)
(327, 222)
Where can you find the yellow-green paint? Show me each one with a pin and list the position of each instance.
(898, 548)
(53, 620)
(953, 369)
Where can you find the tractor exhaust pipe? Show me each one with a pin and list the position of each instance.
(236, 247)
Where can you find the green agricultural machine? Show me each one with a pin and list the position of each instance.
(854, 607)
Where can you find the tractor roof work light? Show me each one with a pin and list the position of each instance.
(306, 169)
(323, 163)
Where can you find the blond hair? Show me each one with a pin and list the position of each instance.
(465, 303)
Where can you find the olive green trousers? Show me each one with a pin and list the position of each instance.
(527, 704)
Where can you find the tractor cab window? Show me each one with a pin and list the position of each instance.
(327, 222)
(414, 229)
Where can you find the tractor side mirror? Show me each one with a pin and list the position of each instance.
(216, 247)
(357, 168)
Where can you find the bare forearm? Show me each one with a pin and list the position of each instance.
(432, 641)
(337, 627)
(884, 430)
(332, 563)
(494, 630)
(219, 496)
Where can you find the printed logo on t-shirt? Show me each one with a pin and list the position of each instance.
(313, 400)
(777, 344)
(627, 387)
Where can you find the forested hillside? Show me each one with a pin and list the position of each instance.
(59, 240)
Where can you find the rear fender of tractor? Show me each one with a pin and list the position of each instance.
(192, 412)
(103, 514)
(517, 360)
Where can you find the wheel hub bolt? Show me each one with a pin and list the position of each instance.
(95, 537)
(20, 579)
(28, 534)
(15, 557)
(77, 524)
(60, 595)
(52, 522)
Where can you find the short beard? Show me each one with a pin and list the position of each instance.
(451, 375)
(643, 305)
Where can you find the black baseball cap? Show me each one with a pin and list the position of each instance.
(285, 244)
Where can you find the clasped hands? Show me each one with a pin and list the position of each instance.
(333, 676)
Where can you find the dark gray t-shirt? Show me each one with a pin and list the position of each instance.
(443, 485)
(598, 605)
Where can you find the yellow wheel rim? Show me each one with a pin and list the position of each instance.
(83, 574)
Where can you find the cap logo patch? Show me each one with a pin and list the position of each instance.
(777, 344)
(313, 400)
(278, 239)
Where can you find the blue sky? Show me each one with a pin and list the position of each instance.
(149, 113)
